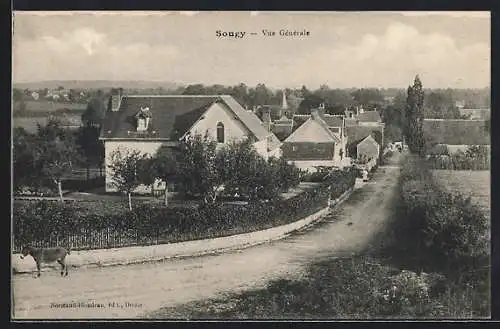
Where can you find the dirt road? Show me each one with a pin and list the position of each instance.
(134, 290)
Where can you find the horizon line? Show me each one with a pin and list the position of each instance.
(180, 84)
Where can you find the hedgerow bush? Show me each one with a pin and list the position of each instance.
(355, 288)
(474, 158)
(443, 228)
(52, 221)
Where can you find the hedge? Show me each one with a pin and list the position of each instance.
(49, 223)
(444, 229)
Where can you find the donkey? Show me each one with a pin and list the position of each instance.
(48, 255)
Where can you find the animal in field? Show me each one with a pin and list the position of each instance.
(47, 256)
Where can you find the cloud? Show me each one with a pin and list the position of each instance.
(88, 54)
(393, 59)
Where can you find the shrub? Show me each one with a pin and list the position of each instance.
(49, 220)
(439, 226)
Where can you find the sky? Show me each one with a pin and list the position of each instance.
(343, 49)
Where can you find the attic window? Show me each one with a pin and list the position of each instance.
(141, 124)
(143, 118)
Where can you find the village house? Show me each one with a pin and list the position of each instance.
(361, 124)
(145, 123)
(448, 136)
(368, 152)
(318, 142)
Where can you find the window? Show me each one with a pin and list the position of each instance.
(141, 124)
(220, 132)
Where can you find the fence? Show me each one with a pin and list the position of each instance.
(103, 239)
(46, 224)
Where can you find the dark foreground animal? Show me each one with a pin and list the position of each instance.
(48, 255)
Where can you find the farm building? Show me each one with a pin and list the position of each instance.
(357, 133)
(367, 150)
(361, 124)
(456, 134)
(319, 141)
(146, 123)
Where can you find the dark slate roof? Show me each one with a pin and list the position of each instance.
(369, 116)
(333, 120)
(356, 134)
(457, 132)
(298, 120)
(172, 116)
(350, 122)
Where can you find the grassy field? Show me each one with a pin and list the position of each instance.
(469, 183)
(30, 124)
(49, 106)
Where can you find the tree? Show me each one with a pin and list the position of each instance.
(414, 116)
(146, 173)
(90, 147)
(197, 89)
(289, 174)
(26, 169)
(94, 113)
(55, 152)
(165, 167)
(248, 174)
(235, 166)
(198, 170)
(125, 167)
(261, 95)
(309, 102)
(240, 93)
(304, 92)
(440, 105)
(368, 97)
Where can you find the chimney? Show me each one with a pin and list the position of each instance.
(321, 109)
(116, 99)
(315, 114)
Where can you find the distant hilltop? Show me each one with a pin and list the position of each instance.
(96, 84)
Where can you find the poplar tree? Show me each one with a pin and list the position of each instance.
(414, 116)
